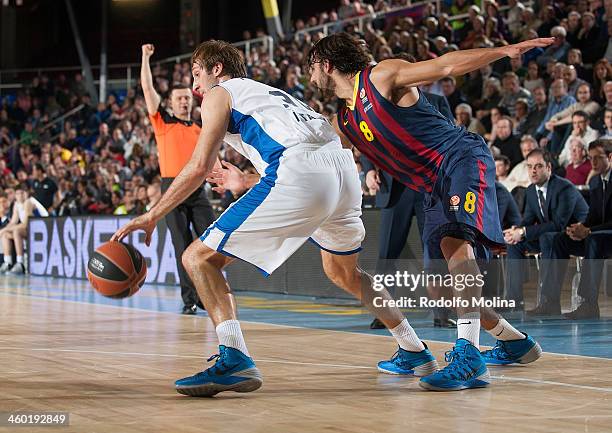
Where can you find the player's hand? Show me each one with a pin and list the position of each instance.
(143, 222)
(148, 50)
(516, 50)
(228, 177)
(373, 180)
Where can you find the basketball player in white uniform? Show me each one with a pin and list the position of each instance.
(309, 189)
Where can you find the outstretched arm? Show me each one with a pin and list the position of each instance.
(216, 111)
(152, 99)
(405, 74)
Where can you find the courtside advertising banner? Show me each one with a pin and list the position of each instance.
(60, 247)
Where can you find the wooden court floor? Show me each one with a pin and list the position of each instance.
(113, 369)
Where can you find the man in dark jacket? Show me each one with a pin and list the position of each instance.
(552, 203)
(591, 240)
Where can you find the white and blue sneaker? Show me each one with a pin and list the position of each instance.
(404, 362)
(233, 371)
(466, 369)
(521, 351)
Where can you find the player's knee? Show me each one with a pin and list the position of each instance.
(198, 257)
(191, 258)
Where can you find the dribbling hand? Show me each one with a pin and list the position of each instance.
(143, 222)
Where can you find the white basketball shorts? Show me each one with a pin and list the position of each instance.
(312, 195)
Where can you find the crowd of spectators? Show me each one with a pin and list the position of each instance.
(103, 159)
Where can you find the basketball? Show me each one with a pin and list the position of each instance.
(116, 270)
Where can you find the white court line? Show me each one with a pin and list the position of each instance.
(143, 310)
(103, 352)
(164, 355)
(518, 379)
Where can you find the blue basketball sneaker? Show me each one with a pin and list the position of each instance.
(466, 369)
(233, 371)
(413, 363)
(514, 351)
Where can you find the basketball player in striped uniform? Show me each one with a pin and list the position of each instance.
(309, 190)
(387, 118)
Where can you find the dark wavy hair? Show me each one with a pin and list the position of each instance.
(344, 52)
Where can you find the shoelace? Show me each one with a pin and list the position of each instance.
(219, 362)
(456, 369)
(396, 359)
(499, 351)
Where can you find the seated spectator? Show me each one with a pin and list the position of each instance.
(589, 39)
(513, 92)
(496, 114)
(584, 103)
(588, 238)
(552, 203)
(491, 95)
(573, 27)
(514, 21)
(558, 49)
(560, 101)
(153, 194)
(520, 118)
(423, 51)
(579, 167)
(508, 143)
(502, 168)
(530, 24)
(549, 21)
(606, 132)
(537, 113)
(16, 231)
(519, 175)
(294, 87)
(5, 207)
(580, 129)
(571, 79)
(452, 93)
(574, 58)
(474, 34)
(463, 115)
(602, 73)
(532, 79)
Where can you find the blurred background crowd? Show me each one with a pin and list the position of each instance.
(103, 159)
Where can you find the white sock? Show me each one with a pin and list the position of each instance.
(505, 332)
(468, 327)
(230, 335)
(8, 259)
(406, 337)
(20, 259)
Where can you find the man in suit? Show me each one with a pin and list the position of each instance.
(398, 206)
(552, 203)
(591, 240)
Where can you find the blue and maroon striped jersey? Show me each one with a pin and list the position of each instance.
(409, 143)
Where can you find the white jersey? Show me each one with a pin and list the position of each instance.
(265, 121)
(309, 186)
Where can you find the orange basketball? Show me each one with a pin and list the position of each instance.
(116, 270)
